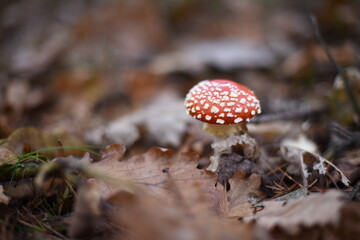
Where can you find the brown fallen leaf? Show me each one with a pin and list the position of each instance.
(318, 209)
(172, 200)
(237, 202)
(158, 172)
(113, 152)
(142, 215)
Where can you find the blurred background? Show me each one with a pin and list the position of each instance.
(105, 71)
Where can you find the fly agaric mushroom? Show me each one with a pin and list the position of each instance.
(225, 107)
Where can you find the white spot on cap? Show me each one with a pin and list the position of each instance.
(237, 120)
(230, 115)
(238, 110)
(230, 104)
(246, 110)
(253, 112)
(197, 108)
(232, 94)
(243, 101)
(227, 109)
(221, 121)
(198, 116)
(214, 109)
(259, 111)
(193, 109)
(208, 117)
(202, 102)
(206, 106)
(222, 104)
(222, 115)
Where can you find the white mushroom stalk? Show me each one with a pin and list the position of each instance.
(225, 107)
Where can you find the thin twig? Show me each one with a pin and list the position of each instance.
(289, 177)
(35, 227)
(340, 71)
(44, 225)
(289, 114)
(313, 183)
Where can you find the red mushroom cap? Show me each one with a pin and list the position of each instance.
(221, 102)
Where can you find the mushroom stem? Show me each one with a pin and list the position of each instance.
(219, 149)
(223, 130)
(224, 145)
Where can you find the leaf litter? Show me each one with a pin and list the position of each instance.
(59, 77)
(171, 199)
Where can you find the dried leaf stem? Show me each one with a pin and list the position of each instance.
(290, 114)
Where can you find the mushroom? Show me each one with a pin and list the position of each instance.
(225, 107)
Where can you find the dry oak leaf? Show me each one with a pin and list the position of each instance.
(318, 209)
(158, 171)
(237, 201)
(113, 152)
(145, 216)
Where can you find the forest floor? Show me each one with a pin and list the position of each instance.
(95, 142)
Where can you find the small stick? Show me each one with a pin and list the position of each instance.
(289, 177)
(340, 71)
(44, 225)
(290, 114)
